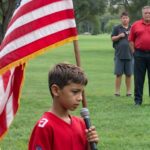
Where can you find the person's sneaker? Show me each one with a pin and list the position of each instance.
(138, 104)
(116, 94)
(128, 95)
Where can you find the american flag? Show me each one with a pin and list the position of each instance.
(36, 26)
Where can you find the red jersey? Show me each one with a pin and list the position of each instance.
(52, 133)
(140, 35)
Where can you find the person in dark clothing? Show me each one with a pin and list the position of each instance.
(139, 39)
(123, 56)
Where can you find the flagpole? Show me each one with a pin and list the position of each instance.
(78, 62)
(84, 111)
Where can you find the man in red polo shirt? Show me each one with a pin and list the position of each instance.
(139, 39)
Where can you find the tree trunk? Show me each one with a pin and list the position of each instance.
(7, 12)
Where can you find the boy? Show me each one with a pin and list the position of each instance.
(123, 56)
(57, 129)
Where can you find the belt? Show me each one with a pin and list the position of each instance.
(142, 50)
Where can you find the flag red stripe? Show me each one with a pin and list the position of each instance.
(5, 78)
(23, 41)
(16, 82)
(37, 45)
(18, 77)
(28, 7)
(34, 25)
(3, 124)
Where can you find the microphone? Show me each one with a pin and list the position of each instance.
(86, 116)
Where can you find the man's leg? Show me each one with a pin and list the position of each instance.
(148, 71)
(139, 76)
(148, 74)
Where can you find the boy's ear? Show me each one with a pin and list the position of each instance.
(55, 90)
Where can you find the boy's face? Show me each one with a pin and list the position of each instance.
(71, 96)
(125, 20)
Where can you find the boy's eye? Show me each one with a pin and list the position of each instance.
(75, 91)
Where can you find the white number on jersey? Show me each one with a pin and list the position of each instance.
(42, 122)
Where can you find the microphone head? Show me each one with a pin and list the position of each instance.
(84, 113)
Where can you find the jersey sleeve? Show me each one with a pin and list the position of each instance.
(41, 137)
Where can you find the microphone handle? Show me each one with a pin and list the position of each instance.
(88, 124)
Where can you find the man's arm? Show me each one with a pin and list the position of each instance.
(131, 44)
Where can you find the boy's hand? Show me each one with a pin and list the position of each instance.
(121, 35)
(92, 135)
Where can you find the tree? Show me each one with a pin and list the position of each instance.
(108, 21)
(116, 3)
(132, 6)
(136, 7)
(85, 8)
(88, 11)
(6, 10)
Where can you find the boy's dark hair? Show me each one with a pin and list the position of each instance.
(124, 14)
(63, 74)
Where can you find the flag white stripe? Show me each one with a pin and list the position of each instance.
(8, 95)
(9, 111)
(24, 2)
(4, 94)
(37, 34)
(40, 13)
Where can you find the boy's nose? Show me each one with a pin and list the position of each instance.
(80, 97)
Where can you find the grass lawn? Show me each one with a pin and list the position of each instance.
(120, 124)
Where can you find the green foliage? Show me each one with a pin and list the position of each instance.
(111, 24)
(96, 25)
(87, 9)
(107, 21)
(132, 6)
(91, 25)
(97, 7)
(120, 124)
(81, 10)
(7, 8)
(3, 8)
(135, 8)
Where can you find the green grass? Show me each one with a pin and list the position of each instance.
(120, 124)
